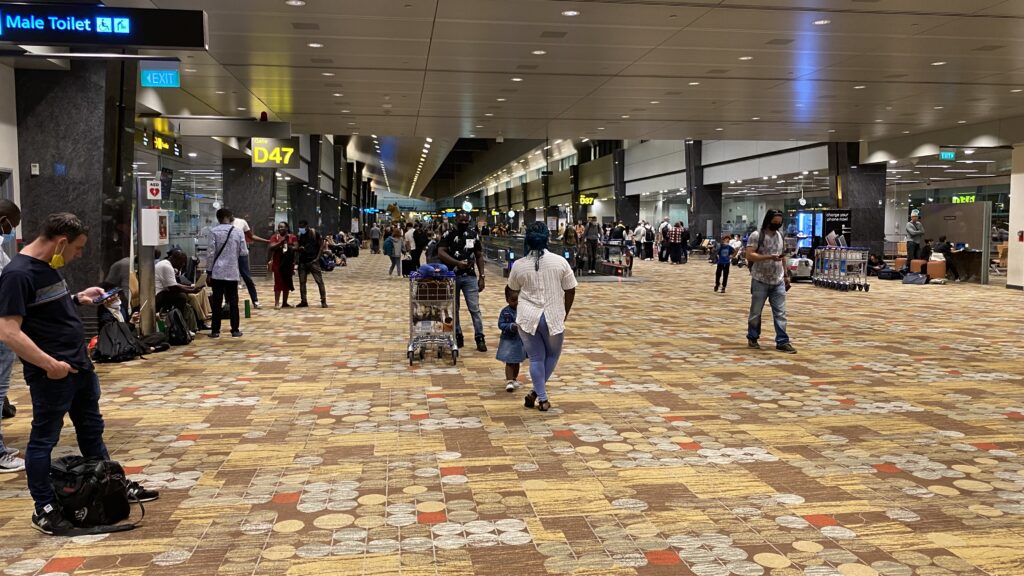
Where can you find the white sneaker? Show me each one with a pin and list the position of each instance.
(10, 464)
(511, 386)
(11, 451)
(256, 305)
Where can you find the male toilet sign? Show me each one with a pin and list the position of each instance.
(153, 190)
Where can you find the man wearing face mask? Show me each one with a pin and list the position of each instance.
(10, 217)
(769, 280)
(39, 320)
(460, 249)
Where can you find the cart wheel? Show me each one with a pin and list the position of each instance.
(455, 357)
(867, 287)
(440, 352)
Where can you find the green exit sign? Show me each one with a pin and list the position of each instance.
(947, 155)
(964, 199)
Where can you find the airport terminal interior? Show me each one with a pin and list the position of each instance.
(650, 147)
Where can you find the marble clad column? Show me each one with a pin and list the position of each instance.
(249, 193)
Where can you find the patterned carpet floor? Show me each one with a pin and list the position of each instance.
(891, 444)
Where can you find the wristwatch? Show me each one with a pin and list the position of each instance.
(74, 298)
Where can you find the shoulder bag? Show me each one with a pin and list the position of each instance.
(209, 273)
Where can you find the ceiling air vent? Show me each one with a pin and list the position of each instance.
(988, 48)
(718, 71)
(780, 42)
(894, 76)
(553, 34)
(322, 60)
(526, 67)
(305, 26)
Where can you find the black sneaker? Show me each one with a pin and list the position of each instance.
(52, 522)
(236, 333)
(302, 305)
(460, 341)
(214, 334)
(716, 288)
(787, 348)
(323, 303)
(138, 493)
(481, 346)
(753, 344)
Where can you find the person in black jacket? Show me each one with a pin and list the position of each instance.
(311, 246)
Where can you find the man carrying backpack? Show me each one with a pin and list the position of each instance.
(311, 246)
(39, 320)
(769, 281)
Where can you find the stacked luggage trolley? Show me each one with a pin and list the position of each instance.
(841, 268)
(431, 315)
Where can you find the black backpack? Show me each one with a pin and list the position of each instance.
(92, 493)
(177, 329)
(116, 343)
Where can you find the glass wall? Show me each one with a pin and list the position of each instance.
(192, 193)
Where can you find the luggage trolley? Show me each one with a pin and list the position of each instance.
(432, 316)
(841, 268)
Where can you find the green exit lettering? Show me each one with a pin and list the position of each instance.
(964, 199)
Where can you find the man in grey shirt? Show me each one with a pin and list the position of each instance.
(225, 246)
(375, 239)
(768, 281)
(915, 236)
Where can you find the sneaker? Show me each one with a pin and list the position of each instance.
(481, 346)
(214, 334)
(236, 333)
(302, 304)
(11, 451)
(753, 344)
(787, 348)
(510, 386)
(460, 341)
(716, 288)
(138, 493)
(286, 305)
(52, 522)
(10, 463)
(256, 305)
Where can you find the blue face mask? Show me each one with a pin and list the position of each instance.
(8, 236)
(302, 231)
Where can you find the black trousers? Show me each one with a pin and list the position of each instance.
(722, 275)
(676, 250)
(416, 254)
(913, 251)
(224, 289)
(375, 245)
(591, 254)
(167, 299)
(648, 250)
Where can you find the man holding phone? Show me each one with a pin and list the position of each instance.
(769, 280)
(39, 320)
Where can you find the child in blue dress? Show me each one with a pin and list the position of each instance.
(510, 346)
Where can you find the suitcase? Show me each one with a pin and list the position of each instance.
(351, 251)
(408, 267)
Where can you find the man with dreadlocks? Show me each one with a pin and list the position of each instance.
(547, 288)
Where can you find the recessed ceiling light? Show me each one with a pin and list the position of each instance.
(315, 45)
(516, 79)
(430, 139)
(832, 131)
(822, 22)
(539, 52)
(327, 73)
(241, 108)
(893, 161)
(906, 131)
(501, 99)
(961, 121)
(345, 111)
(479, 126)
(936, 107)
(570, 13)
(655, 102)
(338, 94)
(488, 114)
(859, 87)
(192, 154)
(221, 92)
(295, 2)
(756, 118)
(719, 129)
(624, 116)
(694, 83)
(1017, 90)
(600, 128)
(190, 69)
(879, 120)
(939, 63)
(746, 58)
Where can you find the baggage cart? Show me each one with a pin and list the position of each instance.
(432, 316)
(841, 268)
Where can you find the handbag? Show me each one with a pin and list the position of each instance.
(216, 256)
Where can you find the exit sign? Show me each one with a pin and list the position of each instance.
(160, 78)
(947, 155)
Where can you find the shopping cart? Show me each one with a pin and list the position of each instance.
(432, 316)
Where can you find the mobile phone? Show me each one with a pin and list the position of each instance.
(106, 296)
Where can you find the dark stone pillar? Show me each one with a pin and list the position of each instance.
(627, 208)
(578, 212)
(860, 188)
(249, 193)
(705, 205)
(329, 211)
(78, 126)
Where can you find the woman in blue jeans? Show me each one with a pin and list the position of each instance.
(547, 288)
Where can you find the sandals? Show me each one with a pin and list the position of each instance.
(531, 400)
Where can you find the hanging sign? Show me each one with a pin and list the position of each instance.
(153, 190)
(587, 199)
(91, 25)
(275, 153)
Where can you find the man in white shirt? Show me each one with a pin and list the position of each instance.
(243, 261)
(409, 239)
(169, 293)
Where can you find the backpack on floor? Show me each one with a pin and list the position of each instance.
(92, 493)
(327, 262)
(889, 274)
(116, 343)
(157, 341)
(177, 329)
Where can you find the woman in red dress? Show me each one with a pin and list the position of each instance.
(282, 264)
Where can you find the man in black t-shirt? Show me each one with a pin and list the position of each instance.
(419, 243)
(39, 320)
(461, 250)
(311, 247)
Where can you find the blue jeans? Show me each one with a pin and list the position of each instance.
(543, 348)
(6, 365)
(469, 287)
(77, 395)
(243, 269)
(776, 296)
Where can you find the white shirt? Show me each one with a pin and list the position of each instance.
(165, 276)
(541, 292)
(243, 227)
(410, 242)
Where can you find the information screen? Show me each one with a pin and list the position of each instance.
(84, 25)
